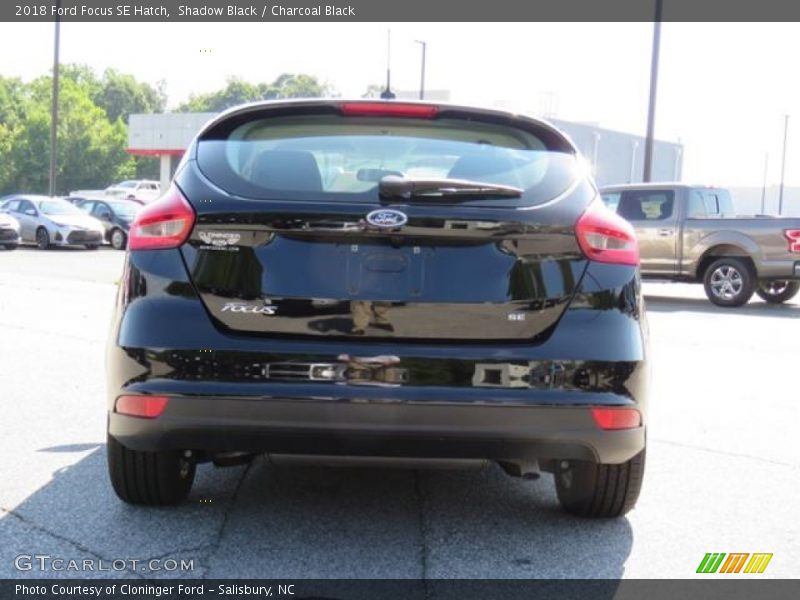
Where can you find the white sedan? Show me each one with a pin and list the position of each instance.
(50, 222)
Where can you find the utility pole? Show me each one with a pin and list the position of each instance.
(783, 164)
(388, 94)
(651, 112)
(422, 76)
(54, 107)
(764, 185)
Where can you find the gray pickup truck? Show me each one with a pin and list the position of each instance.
(691, 233)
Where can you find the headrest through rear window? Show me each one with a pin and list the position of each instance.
(290, 170)
(630, 208)
(489, 168)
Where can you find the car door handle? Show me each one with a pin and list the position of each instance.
(665, 232)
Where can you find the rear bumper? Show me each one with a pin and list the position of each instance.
(292, 426)
(9, 236)
(779, 269)
(237, 393)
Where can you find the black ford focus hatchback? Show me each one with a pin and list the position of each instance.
(380, 281)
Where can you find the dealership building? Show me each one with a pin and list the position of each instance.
(616, 157)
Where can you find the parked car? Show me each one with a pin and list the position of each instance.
(9, 231)
(115, 215)
(692, 234)
(383, 281)
(50, 221)
(138, 189)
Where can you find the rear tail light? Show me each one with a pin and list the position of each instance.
(793, 235)
(610, 419)
(146, 407)
(389, 109)
(606, 237)
(166, 223)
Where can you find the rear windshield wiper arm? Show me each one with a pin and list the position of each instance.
(392, 187)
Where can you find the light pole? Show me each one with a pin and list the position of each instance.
(783, 164)
(422, 76)
(651, 112)
(764, 185)
(54, 107)
(388, 94)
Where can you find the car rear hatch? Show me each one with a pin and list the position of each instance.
(383, 221)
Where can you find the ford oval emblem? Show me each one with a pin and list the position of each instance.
(387, 218)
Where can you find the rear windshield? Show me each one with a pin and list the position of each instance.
(331, 156)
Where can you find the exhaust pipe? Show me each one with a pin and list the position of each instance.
(524, 469)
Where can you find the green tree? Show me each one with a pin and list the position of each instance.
(12, 114)
(289, 85)
(120, 95)
(237, 91)
(91, 149)
(83, 76)
(374, 90)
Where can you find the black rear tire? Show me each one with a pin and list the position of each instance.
(11, 246)
(777, 292)
(149, 478)
(729, 281)
(596, 490)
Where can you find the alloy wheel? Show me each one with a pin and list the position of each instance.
(726, 282)
(775, 288)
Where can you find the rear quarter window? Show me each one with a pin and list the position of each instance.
(333, 157)
(611, 200)
(710, 203)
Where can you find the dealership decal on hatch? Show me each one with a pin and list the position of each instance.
(220, 240)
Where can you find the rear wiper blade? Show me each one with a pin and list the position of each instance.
(393, 187)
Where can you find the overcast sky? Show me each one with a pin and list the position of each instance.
(723, 89)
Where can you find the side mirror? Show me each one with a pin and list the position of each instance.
(31, 212)
(104, 216)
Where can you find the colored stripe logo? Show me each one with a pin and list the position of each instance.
(735, 562)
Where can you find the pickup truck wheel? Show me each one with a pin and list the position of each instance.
(150, 478)
(588, 489)
(776, 292)
(729, 282)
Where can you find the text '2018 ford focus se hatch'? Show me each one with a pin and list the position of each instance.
(380, 279)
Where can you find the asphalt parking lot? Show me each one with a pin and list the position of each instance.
(723, 469)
